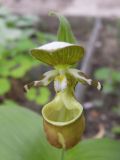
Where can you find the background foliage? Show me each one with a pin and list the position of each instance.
(19, 34)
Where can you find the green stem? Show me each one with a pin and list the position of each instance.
(62, 154)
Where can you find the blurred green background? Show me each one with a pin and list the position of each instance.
(21, 32)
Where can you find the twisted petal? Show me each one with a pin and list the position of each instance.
(84, 79)
(46, 78)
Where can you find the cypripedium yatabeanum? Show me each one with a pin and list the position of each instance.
(63, 117)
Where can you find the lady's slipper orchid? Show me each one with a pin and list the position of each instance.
(63, 117)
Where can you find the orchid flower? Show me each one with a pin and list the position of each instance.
(63, 117)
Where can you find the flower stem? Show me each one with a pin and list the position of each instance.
(62, 154)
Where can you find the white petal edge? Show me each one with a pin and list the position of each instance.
(55, 45)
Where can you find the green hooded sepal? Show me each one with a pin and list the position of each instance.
(58, 53)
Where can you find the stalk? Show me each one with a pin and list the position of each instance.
(62, 154)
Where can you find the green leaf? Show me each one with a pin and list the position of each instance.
(40, 96)
(4, 86)
(4, 71)
(102, 149)
(18, 72)
(116, 76)
(116, 130)
(103, 73)
(27, 21)
(65, 33)
(10, 34)
(2, 51)
(22, 138)
(31, 95)
(24, 44)
(23, 64)
(43, 96)
(108, 88)
(10, 103)
(11, 20)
